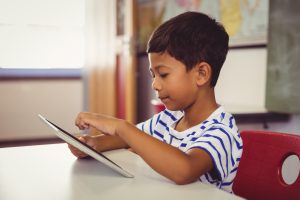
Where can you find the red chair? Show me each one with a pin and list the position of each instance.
(259, 173)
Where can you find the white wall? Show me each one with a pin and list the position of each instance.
(242, 82)
(22, 100)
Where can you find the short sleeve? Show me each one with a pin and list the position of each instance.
(217, 142)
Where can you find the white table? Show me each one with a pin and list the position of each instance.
(51, 172)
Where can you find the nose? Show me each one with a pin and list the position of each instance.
(156, 85)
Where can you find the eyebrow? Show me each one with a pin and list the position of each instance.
(157, 67)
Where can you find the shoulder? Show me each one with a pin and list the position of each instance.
(219, 137)
(221, 121)
(222, 133)
(219, 134)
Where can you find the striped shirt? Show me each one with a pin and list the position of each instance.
(218, 135)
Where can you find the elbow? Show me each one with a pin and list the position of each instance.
(184, 173)
(181, 182)
(183, 178)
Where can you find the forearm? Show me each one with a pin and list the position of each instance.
(106, 143)
(163, 158)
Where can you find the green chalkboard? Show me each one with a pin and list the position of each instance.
(283, 68)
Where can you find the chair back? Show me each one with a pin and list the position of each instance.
(259, 174)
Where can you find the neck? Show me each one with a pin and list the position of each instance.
(199, 111)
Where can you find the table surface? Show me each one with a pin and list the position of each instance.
(52, 172)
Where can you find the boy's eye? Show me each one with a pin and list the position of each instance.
(163, 75)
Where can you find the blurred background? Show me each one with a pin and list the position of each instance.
(60, 57)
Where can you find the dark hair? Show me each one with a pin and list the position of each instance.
(192, 38)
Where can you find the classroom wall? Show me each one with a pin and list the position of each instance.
(22, 100)
(61, 100)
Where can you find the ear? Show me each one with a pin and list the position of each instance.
(203, 73)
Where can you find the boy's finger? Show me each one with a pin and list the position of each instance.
(82, 139)
(76, 152)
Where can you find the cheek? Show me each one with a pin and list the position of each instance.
(183, 88)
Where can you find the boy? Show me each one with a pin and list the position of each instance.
(194, 138)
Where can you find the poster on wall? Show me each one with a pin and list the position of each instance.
(246, 21)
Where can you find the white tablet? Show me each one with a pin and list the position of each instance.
(69, 138)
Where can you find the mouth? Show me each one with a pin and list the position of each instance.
(164, 99)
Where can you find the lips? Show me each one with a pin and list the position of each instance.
(164, 99)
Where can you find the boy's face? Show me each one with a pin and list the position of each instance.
(174, 85)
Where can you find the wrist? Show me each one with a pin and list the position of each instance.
(122, 127)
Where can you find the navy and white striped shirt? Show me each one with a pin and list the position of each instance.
(218, 135)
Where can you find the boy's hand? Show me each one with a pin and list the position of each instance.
(89, 140)
(76, 152)
(105, 124)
